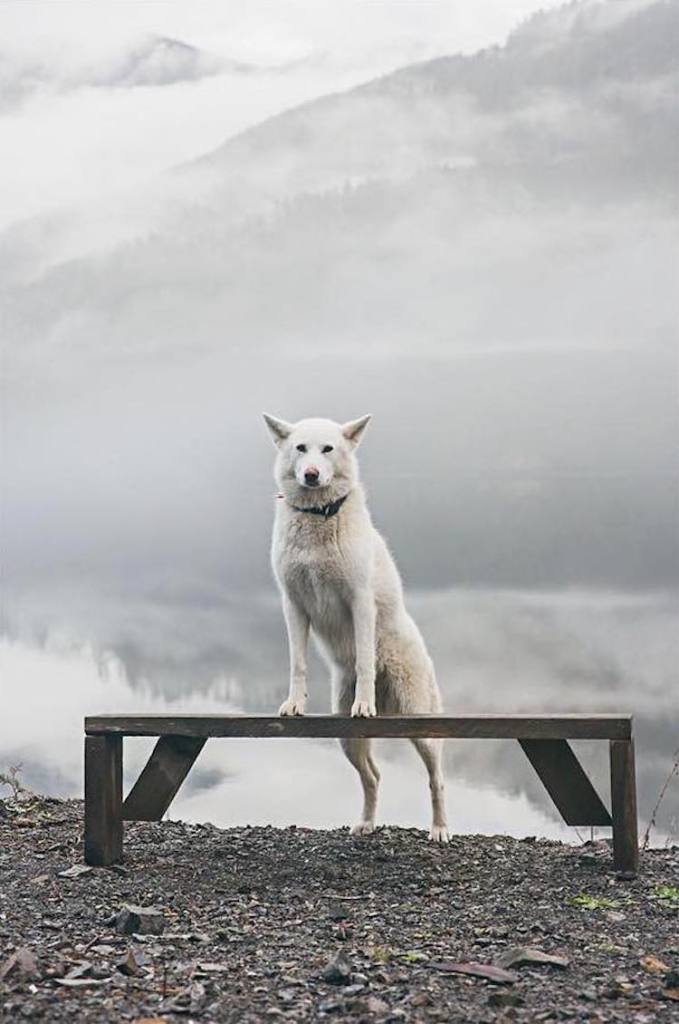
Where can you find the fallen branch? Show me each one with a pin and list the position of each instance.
(651, 824)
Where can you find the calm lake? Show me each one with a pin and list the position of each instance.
(75, 651)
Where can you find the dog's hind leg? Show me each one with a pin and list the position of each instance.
(359, 753)
(430, 751)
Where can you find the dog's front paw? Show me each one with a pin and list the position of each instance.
(292, 707)
(439, 834)
(363, 709)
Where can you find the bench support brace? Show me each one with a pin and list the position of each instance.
(566, 782)
(166, 769)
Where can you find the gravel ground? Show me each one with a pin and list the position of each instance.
(259, 924)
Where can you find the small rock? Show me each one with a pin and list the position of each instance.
(352, 990)
(130, 965)
(80, 970)
(210, 967)
(525, 955)
(76, 871)
(338, 971)
(21, 963)
(375, 1005)
(100, 971)
(57, 970)
(504, 999)
(337, 913)
(287, 995)
(140, 920)
(617, 989)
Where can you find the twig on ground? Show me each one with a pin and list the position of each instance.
(651, 823)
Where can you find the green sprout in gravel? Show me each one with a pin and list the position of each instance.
(668, 893)
(593, 902)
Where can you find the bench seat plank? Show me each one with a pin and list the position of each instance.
(581, 727)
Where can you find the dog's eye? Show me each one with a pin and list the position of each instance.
(301, 447)
(326, 448)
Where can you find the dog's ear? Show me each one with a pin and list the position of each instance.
(353, 430)
(279, 429)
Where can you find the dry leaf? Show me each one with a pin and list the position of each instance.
(652, 965)
(495, 974)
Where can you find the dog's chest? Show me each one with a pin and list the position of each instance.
(315, 570)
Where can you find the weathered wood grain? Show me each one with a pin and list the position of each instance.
(316, 726)
(565, 780)
(624, 807)
(182, 737)
(103, 799)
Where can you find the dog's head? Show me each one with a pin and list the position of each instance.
(316, 461)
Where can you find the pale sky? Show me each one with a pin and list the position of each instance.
(67, 139)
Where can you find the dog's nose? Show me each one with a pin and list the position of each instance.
(311, 475)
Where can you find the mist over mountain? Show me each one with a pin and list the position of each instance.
(480, 250)
(153, 61)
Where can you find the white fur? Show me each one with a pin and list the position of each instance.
(337, 578)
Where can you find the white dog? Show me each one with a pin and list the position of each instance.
(336, 575)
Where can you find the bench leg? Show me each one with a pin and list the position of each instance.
(103, 799)
(624, 807)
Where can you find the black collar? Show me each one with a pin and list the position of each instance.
(331, 509)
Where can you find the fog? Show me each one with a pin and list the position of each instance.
(479, 249)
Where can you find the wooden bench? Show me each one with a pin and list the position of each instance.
(543, 738)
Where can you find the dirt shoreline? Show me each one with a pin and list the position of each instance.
(260, 924)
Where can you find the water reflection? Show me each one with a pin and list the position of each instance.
(494, 650)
